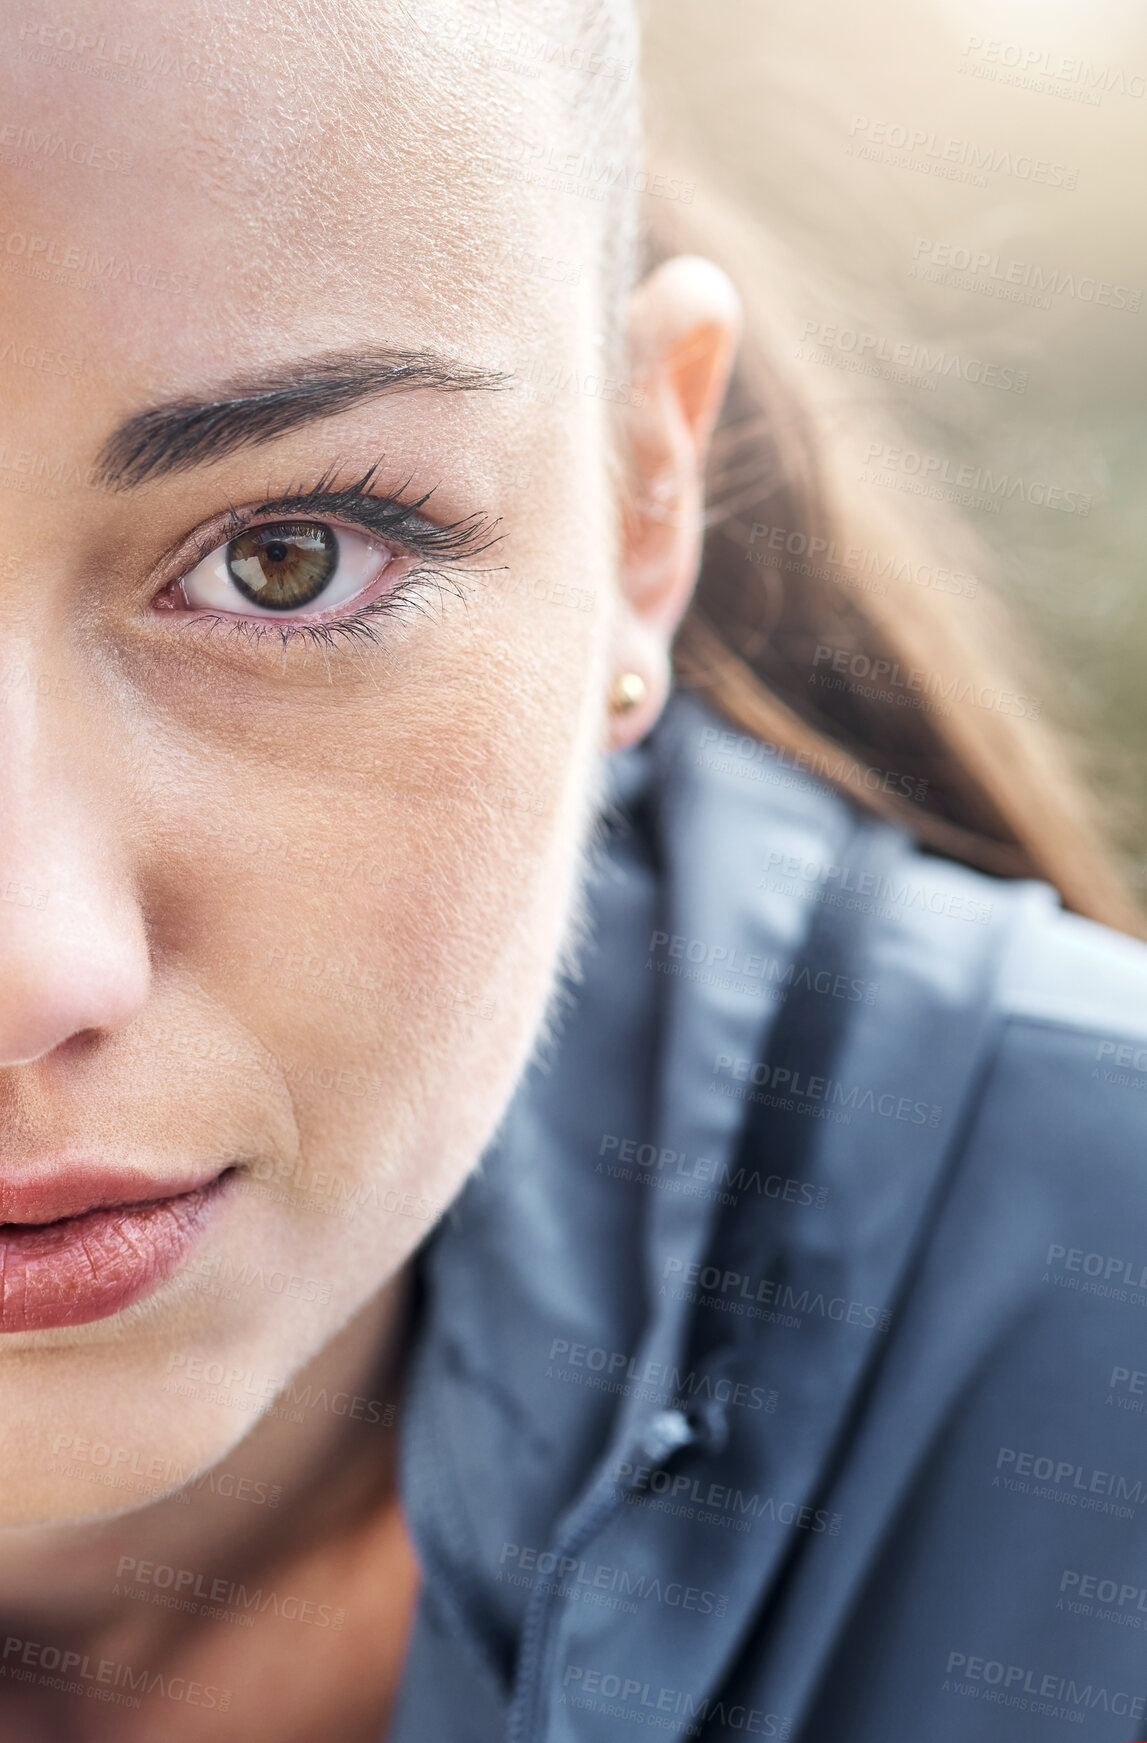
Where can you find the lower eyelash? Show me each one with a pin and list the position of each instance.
(408, 594)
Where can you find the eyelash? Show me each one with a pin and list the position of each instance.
(398, 523)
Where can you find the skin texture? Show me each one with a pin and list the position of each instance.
(294, 909)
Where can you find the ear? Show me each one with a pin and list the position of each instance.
(685, 320)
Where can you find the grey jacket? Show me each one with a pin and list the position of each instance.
(782, 1370)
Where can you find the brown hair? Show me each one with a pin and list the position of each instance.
(860, 641)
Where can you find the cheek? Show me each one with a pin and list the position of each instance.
(368, 935)
(355, 877)
(374, 887)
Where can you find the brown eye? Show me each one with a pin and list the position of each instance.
(284, 566)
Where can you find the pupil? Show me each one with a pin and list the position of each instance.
(283, 567)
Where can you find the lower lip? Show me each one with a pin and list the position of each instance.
(87, 1267)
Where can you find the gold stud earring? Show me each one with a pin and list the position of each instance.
(628, 691)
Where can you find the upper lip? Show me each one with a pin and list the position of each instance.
(50, 1191)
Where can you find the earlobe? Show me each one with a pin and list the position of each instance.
(684, 325)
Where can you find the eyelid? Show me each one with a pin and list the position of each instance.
(383, 518)
(283, 508)
(385, 514)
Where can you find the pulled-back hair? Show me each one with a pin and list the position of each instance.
(861, 641)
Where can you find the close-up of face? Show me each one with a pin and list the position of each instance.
(311, 603)
(572, 832)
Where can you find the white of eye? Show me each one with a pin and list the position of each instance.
(209, 586)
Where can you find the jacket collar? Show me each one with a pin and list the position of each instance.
(570, 1349)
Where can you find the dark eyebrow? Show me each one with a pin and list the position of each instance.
(183, 433)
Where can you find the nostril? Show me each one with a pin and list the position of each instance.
(82, 1042)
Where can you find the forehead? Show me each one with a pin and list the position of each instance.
(191, 187)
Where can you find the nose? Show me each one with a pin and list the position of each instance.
(70, 962)
(73, 942)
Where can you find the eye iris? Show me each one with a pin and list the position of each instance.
(283, 567)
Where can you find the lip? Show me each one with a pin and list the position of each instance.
(80, 1243)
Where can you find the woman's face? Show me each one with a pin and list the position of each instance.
(290, 818)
